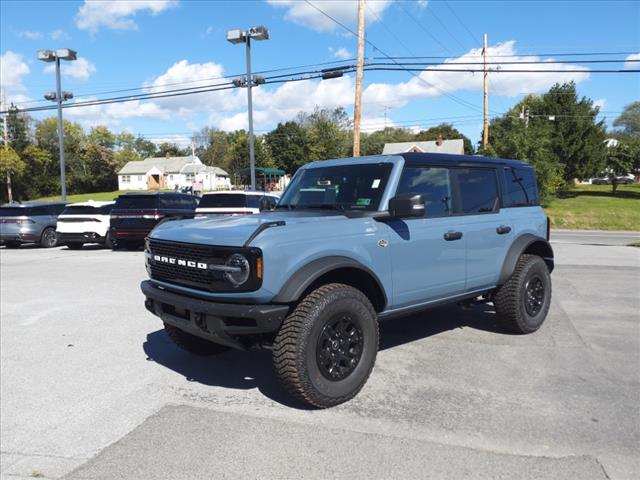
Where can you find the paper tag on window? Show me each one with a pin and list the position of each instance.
(376, 183)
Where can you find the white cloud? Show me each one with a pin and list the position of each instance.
(632, 65)
(341, 53)
(116, 14)
(59, 35)
(80, 69)
(29, 35)
(431, 83)
(12, 69)
(113, 114)
(344, 11)
(600, 103)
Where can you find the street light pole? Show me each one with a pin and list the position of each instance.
(252, 158)
(60, 131)
(239, 36)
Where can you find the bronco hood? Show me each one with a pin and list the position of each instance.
(231, 230)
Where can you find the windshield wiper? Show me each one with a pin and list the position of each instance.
(326, 206)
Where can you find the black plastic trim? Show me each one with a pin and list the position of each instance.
(261, 228)
(293, 289)
(519, 245)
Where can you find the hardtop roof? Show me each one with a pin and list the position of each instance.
(415, 158)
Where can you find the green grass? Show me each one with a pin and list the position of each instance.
(595, 207)
(83, 197)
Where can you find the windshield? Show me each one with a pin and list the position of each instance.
(343, 187)
(223, 200)
(136, 202)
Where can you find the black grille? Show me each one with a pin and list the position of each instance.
(198, 278)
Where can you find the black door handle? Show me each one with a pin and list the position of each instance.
(502, 229)
(449, 236)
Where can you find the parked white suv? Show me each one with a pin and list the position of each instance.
(236, 202)
(85, 222)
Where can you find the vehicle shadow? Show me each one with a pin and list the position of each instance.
(247, 370)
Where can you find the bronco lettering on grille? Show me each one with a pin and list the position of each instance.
(180, 262)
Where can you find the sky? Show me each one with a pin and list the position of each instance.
(169, 44)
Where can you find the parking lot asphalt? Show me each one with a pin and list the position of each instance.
(91, 387)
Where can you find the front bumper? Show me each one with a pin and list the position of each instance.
(221, 323)
(86, 237)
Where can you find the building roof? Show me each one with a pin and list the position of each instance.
(455, 147)
(199, 168)
(164, 164)
(262, 171)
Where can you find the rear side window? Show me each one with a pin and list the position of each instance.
(432, 184)
(135, 202)
(223, 200)
(40, 211)
(56, 209)
(520, 189)
(477, 190)
(253, 201)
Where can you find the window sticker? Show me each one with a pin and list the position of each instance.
(363, 202)
(376, 183)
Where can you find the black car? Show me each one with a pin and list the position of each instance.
(135, 214)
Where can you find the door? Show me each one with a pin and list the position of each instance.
(428, 254)
(485, 226)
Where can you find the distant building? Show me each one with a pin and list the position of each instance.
(453, 147)
(166, 172)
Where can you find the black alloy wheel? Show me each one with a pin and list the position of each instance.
(49, 238)
(534, 295)
(339, 347)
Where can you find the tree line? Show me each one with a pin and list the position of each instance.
(557, 132)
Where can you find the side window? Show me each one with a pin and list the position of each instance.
(40, 211)
(478, 190)
(105, 209)
(433, 184)
(520, 187)
(168, 201)
(57, 209)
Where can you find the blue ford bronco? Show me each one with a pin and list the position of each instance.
(351, 242)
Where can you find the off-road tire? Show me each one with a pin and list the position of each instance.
(297, 345)
(49, 238)
(510, 299)
(193, 344)
(75, 245)
(13, 244)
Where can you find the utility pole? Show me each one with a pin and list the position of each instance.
(6, 146)
(357, 109)
(63, 183)
(485, 131)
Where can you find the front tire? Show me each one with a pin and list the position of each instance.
(325, 349)
(523, 302)
(49, 238)
(191, 343)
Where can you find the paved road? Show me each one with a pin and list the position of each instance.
(594, 237)
(91, 387)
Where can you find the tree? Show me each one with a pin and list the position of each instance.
(629, 120)
(619, 163)
(238, 154)
(167, 148)
(327, 133)
(10, 165)
(98, 172)
(577, 138)
(145, 148)
(288, 146)
(447, 132)
(17, 129)
(41, 176)
(102, 136)
(373, 143)
(211, 145)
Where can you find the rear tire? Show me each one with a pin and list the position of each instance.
(75, 245)
(523, 302)
(108, 241)
(193, 344)
(49, 238)
(325, 349)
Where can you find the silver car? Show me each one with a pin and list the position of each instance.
(29, 223)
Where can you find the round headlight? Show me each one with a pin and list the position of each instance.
(238, 272)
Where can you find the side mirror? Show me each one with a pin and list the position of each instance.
(265, 205)
(407, 205)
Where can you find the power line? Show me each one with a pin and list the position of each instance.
(433, 37)
(475, 39)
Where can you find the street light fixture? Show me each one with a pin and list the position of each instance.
(238, 36)
(59, 96)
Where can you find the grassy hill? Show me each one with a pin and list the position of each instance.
(595, 207)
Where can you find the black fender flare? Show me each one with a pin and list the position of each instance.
(518, 247)
(304, 277)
